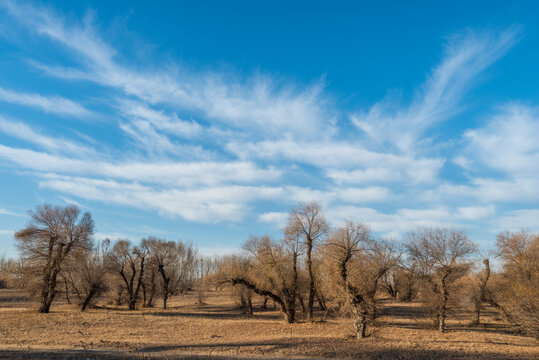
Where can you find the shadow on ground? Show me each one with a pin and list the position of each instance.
(382, 354)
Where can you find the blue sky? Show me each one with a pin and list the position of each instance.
(207, 122)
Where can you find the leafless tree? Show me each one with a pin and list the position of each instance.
(308, 222)
(440, 255)
(52, 234)
(163, 255)
(129, 263)
(86, 271)
(406, 278)
(378, 261)
(480, 294)
(517, 295)
(343, 247)
(269, 269)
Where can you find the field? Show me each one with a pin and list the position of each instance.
(219, 330)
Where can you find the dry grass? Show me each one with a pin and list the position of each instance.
(218, 330)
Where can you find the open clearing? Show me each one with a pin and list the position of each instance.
(219, 329)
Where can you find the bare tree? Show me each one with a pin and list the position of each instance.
(440, 255)
(480, 295)
(517, 297)
(269, 269)
(406, 280)
(163, 255)
(380, 258)
(52, 234)
(86, 272)
(343, 247)
(308, 222)
(129, 262)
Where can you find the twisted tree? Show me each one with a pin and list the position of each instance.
(308, 223)
(51, 236)
(440, 255)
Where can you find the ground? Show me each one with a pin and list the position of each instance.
(219, 330)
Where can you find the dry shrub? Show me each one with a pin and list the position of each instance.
(517, 293)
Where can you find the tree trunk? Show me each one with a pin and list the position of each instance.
(361, 334)
(290, 313)
(302, 304)
(321, 301)
(67, 292)
(265, 303)
(152, 289)
(249, 306)
(48, 291)
(166, 282)
(443, 304)
(143, 294)
(311, 279)
(482, 289)
(88, 298)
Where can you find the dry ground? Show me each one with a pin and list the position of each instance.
(219, 330)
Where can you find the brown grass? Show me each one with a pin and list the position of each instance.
(219, 330)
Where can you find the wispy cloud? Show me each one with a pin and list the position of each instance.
(210, 205)
(259, 102)
(21, 130)
(165, 173)
(50, 104)
(209, 146)
(9, 213)
(507, 142)
(467, 54)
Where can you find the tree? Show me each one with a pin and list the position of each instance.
(343, 248)
(52, 234)
(129, 263)
(163, 255)
(480, 295)
(86, 272)
(269, 269)
(375, 263)
(440, 255)
(520, 279)
(308, 222)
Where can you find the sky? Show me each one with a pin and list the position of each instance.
(208, 121)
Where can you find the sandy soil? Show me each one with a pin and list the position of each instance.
(218, 330)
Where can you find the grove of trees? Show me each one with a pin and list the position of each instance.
(311, 269)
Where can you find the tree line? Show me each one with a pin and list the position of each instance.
(310, 268)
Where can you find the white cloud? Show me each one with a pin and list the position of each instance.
(138, 111)
(258, 103)
(218, 250)
(508, 142)
(166, 173)
(363, 195)
(359, 176)
(50, 104)
(278, 219)
(254, 136)
(519, 219)
(339, 155)
(467, 55)
(209, 205)
(475, 212)
(24, 132)
(395, 223)
(9, 213)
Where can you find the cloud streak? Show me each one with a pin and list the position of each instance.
(49, 104)
(209, 146)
